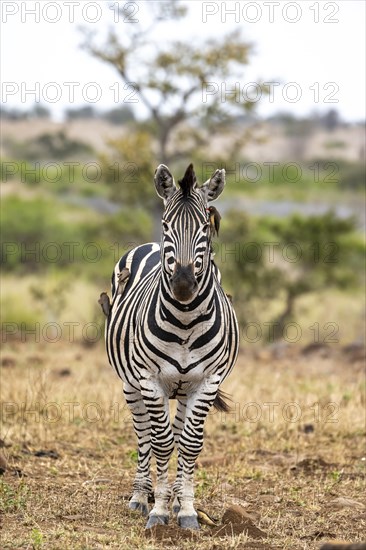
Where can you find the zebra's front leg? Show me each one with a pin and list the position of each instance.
(189, 447)
(178, 425)
(162, 444)
(142, 485)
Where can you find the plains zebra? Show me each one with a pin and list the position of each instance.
(172, 333)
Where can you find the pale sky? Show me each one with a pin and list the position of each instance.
(319, 46)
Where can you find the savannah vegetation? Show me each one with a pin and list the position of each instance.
(297, 285)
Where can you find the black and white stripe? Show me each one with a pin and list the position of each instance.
(172, 333)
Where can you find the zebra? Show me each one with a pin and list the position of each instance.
(172, 334)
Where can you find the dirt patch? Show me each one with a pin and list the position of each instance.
(233, 529)
(35, 360)
(235, 521)
(316, 348)
(343, 546)
(344, 502)
(248, 546)
(170, 533)
(63, 372)
(8, 362)
(237, 514)
(219, 460)
(3, 464)
(310, 465)
(318, 535)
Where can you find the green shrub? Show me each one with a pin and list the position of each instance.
(40, 235)
(264, 260)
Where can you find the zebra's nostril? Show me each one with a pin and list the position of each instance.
(183, 283)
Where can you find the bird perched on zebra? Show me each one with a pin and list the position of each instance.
(172, 333)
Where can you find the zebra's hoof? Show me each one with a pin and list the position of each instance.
(188, 522)
(176, 508)
(139, 506)
(154, 519)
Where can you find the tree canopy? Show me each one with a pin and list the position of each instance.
(179, 81)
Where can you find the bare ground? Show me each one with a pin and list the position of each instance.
(291, 453)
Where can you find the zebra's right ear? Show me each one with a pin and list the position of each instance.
(164, 182)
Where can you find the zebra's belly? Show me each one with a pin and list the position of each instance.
(185, 370)
(180, 385)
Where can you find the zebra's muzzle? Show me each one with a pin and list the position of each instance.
(183, 283)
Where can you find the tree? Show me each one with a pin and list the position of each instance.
(171, 78)
(249, 278)
(120, 115)
(84, 113)
(128, 170)
(331, 120)
(321, 252)
(180, 84)
(39, 111)
(309, 254)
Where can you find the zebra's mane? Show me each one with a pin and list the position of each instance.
(188, 182)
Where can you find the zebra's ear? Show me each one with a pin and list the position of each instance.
(214, 186)
(164, 182)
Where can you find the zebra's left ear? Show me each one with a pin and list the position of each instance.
(214, 186)
(164, 182)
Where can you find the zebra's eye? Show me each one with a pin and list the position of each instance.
(205, 227)
(169, 265)
(198, 267)
(165, 226)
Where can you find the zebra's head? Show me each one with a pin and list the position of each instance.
(186, 232)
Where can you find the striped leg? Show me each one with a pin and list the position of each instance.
(162, 444)
(142, 485)
(190, 446)
(178, 425)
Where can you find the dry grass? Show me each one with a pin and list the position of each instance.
(288, 479)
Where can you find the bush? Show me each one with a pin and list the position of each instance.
(40, 235)
(352, 176)
(269, 259)
(54, 146)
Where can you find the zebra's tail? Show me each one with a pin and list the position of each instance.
(220, 403)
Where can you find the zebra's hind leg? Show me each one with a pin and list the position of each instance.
(177, 430)
(190, 446)
(162, 443)
(142, 485)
